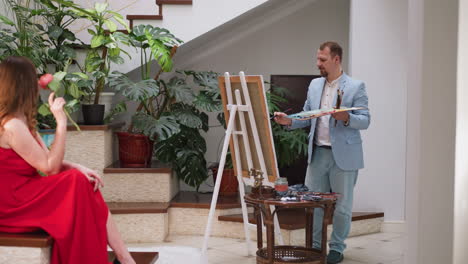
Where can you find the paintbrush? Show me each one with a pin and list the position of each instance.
(285, 111)
(339, 97)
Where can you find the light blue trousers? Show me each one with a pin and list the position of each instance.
(323, 175)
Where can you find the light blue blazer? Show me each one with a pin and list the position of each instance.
(346, 141)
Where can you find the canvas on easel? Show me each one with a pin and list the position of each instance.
(249, 136)
(258, 103)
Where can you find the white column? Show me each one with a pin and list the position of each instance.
(461, 159)
(431, 130)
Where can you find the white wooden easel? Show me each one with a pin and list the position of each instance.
(240, 109)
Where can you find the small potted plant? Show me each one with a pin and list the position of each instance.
(103, 51)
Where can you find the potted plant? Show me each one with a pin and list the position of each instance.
(148, 123)
(229, 185)
(103, 51)
(171, 111)
(26, 38)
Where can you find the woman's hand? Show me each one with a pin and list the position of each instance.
(56, 107)
(92, 176)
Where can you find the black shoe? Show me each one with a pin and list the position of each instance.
(334, 257)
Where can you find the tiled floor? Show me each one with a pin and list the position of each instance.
(381, 248)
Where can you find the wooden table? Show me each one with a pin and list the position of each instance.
(290, 254)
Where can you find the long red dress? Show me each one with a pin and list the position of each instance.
(64, 205)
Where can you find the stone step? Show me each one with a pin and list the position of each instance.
(92, 146)
(293, 218)
(193, 208)
(30, 248)
(155, 184)
(139, 257)
(141, 222)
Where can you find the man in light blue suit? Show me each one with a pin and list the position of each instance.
(335, 144)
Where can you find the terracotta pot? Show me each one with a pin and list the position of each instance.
(135, 150)
(229, 185)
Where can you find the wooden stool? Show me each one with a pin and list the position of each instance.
(139, 257)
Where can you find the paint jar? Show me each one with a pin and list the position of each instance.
(281, 186)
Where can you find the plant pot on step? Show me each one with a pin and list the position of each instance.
(229, 185)
(135, 150)
(93, 114)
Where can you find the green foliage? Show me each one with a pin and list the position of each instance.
(154, 44)
(55, 18)
(104, 49)
(185, 151)
(21, 36)
(290, 145)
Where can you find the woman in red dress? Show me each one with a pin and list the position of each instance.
(67, 203)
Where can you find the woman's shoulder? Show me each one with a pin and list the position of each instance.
(14, 123)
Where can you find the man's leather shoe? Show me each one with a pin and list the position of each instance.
(334, 257)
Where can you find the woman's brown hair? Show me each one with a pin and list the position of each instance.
(19, 90)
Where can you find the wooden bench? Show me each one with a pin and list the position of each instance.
(13, 246)
(31, 248)
(35, 240)
(139, 257)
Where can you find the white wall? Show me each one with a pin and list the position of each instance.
(288, 46)
(379, 57)
(430, 195)
(461, 169)
(185, 21)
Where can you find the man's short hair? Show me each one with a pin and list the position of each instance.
(335, 48)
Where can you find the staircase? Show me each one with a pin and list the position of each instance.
(147, 206)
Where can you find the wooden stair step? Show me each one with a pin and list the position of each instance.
(156, 167)
(35, 240)
(144, 17)
(186, 199)
(292, 219)
(174, 2)
(138, 208)
(139, 257)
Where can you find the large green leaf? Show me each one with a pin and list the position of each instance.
(187, 115)
(98, 41)
(135, 91)
(208, 80)
(205, 102)
(180, 90)
(110, 25)
(185, 151)
(191, 168)
(100, 7)
(161, 129)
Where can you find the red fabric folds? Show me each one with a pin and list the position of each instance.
(64, 205)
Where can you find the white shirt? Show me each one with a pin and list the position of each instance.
(322, 130)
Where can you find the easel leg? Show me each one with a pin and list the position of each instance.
(214, 199)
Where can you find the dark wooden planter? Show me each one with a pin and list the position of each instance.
(93, 114)
(229, 185)
(135, 150)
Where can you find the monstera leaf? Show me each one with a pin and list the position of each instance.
(178, 89)
(162, 128)
(185, 151)
(135, 91)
